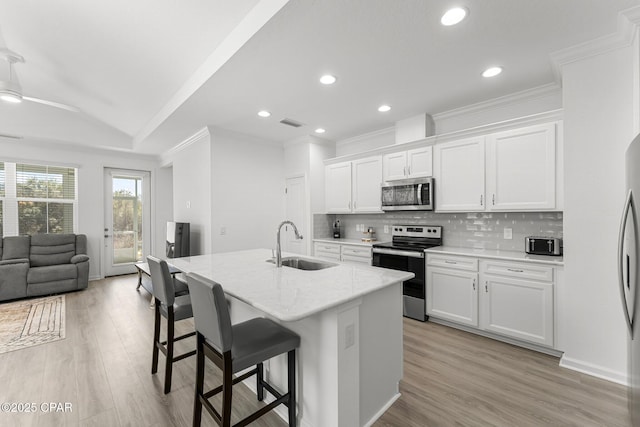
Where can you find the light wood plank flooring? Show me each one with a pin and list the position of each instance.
(451, 377)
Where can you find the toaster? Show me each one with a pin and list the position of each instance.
(543, 245)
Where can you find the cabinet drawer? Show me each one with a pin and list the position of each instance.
(332, 248)
(356, 259)
(356, 251)
(450, 261)
(519, 270)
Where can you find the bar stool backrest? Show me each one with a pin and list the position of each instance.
(161, 281)
(210, 311)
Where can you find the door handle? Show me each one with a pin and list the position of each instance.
(474, 284)
(628, 205)
(481, 200)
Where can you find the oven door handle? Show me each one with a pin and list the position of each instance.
(410, 254)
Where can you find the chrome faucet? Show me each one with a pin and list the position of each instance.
(278, 251)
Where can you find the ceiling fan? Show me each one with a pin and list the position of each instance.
(11, 91)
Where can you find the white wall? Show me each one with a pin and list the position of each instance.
(90, 164)
(247, 191)
(163, 208)
(598, 125)
(192, 192)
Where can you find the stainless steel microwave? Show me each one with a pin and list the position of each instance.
(408, 195)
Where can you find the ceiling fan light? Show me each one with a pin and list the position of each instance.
(10, 92)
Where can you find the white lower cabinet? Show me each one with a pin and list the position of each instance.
(516, 306)
(328, 251)
(452, 295)
(355, 254)
(502, 297)
(343, 252)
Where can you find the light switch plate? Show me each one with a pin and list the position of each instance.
(508, 233)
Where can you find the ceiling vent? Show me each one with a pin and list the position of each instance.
(290, 122)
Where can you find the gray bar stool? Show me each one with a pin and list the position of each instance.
(234, 348)
(171, 307)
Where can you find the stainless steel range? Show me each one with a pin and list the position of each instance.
(405, 252)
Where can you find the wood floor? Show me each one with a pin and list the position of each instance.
(451, 378)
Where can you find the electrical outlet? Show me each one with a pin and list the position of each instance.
(508, 233)
(188, 204)
(223, 231)
(357, 227)
(349, 336)
(386, 228)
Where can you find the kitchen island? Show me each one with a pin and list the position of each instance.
(349, 318)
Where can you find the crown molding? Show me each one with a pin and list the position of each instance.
(165, 158)
(525, 95)
(628, 22)
(365, 136)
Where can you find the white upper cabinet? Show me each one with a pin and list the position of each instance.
(354, 186)
(338, 187)
(521, 169)
(415, 163)
(366, 184)
(459, 175)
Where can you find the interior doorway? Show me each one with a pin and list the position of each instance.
(296, 211)
(127, 230)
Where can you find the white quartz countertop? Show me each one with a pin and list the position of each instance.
(285, 293)
(344, 241)
(497, 254)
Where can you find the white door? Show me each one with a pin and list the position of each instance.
(420, 162)
(458, 169)
(395, 166)
(338, 188)
(127, 229)
(366, 181)
(296, 197)
(452, 295)
(521, 169)
(521, 309)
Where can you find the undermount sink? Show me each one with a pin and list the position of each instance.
(304, 263)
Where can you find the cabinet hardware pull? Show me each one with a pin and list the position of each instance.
(481, 200)
(486, 286)
(493, 200)
(515, 270)
(474, 284)
(404, 170)
(450, 262)
(408, 170)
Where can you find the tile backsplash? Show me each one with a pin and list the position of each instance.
(483, 230)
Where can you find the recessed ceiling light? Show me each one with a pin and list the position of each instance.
(384, 108)
(453, 16)
(492, 72)
(264, 113)
(328, 79)
(320, 130)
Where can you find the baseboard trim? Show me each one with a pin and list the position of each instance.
(382, 410)
(594, 370)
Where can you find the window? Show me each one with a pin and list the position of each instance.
(37, 199)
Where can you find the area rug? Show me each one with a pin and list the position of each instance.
(31, 322)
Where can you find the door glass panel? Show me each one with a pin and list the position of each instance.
(127, 219)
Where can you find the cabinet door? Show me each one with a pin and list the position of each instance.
(395, 166)
(328, 251)
(366, 181)
(452, 295)
(459, 176)
(521, 169)
(521, 309)
(338, 188)
(420, 162)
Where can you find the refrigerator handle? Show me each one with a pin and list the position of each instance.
(628, 205)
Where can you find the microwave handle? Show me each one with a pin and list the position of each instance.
(420, 194)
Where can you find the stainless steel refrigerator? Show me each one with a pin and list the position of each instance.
(628, 274)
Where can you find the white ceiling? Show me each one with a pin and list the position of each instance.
(148, 74)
